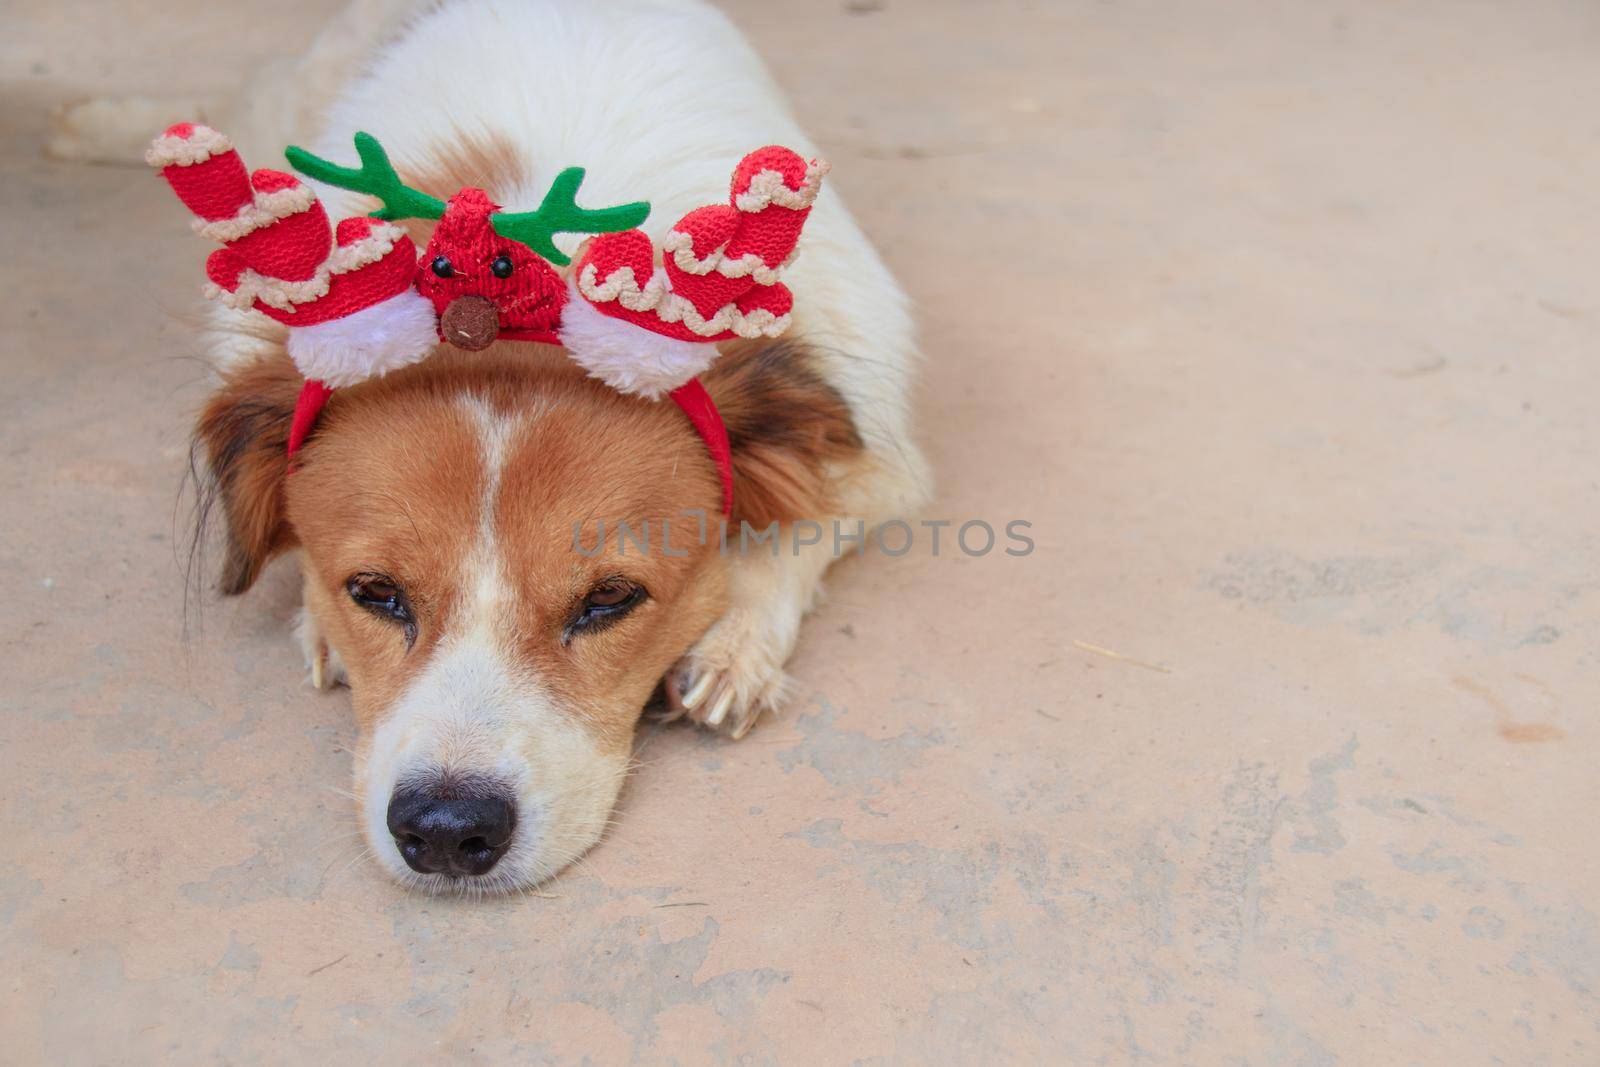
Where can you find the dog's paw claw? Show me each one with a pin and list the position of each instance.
(327, 669)
(727, 698)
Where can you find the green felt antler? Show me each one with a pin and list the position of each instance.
(375, 177)
(559, 213)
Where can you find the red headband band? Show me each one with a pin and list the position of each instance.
(359, 302)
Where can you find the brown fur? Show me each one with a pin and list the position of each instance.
(393, 483)
(483, 159)
(787, 428)
(244, 431)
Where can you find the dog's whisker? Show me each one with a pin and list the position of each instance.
(329, 883)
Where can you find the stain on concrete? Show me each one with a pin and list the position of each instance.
(956, 884)
(1541, 635)
(1353, 898)
(17, 890)
(239, 957)
(1464, 872)
(1433, 805)
(1494, 607)
(1509, 728)
(1529, 732)
(1483, 923)
(1316, 587)
(852, 760)
(1229, 878)
(279, 873)
(1151, 887)
(603, 977)
(1311, 814)
(1562, 935)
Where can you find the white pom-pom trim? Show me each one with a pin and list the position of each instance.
(284, 295)
(768, 187)
(657, 296)
(202, 143)
(372, 342)
(629, 358)
(264, 209)
(681, 247)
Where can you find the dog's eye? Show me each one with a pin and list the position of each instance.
(442, 267)
(610, 595)
(381, 595)
(502, 266)
(605, 604)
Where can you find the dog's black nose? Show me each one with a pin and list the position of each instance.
(457, 836)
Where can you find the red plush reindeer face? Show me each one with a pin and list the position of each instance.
(360, 303)
(484, 286)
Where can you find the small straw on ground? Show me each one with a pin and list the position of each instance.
(1110, 654)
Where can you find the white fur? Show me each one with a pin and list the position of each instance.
(369, 344)
(626, 357)
(563, 81)
(474, 712)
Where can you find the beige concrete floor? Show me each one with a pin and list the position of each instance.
(1280, 323)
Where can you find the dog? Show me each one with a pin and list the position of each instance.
(447, 517)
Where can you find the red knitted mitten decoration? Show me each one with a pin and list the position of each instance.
(719, 279)
(347, 298)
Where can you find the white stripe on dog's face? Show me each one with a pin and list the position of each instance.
(477, 715)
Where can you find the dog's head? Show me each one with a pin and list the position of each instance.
(498, 645)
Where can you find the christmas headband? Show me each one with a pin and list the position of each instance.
(359, 302)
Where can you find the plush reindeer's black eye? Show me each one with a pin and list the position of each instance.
(382, 596)
(606, 604)
(502, 266)
(441, 266)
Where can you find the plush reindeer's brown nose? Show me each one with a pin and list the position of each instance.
(470, 322)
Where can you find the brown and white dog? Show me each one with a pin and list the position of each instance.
(497, 672)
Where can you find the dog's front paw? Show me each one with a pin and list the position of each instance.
(733, 675)
(327, 669)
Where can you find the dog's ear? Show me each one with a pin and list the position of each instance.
(786, 426)
(243, 435)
